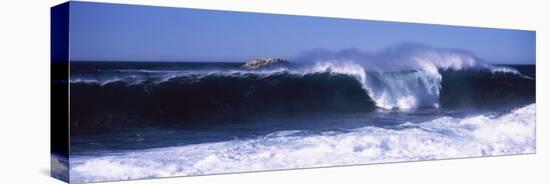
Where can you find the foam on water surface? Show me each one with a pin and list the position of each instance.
(441, 138)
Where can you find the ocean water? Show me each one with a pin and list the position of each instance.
(134, 120)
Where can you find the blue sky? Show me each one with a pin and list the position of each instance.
(115, 32)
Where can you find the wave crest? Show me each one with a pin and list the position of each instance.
(382, 73)
(407, 76)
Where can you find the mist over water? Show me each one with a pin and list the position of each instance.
(405, 76)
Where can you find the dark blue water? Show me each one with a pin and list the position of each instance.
(141, 120)
(133, 106)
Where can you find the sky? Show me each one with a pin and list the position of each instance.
(116, 32)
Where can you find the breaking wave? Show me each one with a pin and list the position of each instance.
(408, 75)
(326, 87)
(404, 77)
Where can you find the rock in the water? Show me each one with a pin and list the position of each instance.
(265, 62)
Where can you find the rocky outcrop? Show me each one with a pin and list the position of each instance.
(265, 62)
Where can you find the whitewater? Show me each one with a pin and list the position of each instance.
(441, 138)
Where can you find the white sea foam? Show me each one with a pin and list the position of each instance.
(442, 138)
(59, 169)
